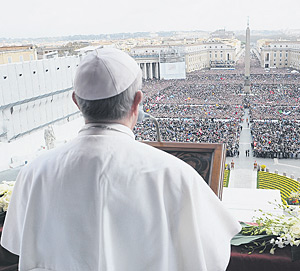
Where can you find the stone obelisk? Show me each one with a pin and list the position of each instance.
(247, 61)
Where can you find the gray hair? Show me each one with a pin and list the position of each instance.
(110, 109)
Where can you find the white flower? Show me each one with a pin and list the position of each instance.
(295, 229)
(3, 188)
(279, 242)
(6, 189)
(6, 199)
(285, 227)
(288, 237)
(288, 240)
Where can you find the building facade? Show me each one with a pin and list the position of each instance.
(279, 54)
(14, 54)
(294, 59)
(221, 55)
(213, 53)
(196, 57)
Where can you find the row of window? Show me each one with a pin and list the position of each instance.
(286, 55)
(210, 56)
(275, 55)
(279, 46)
(221, 56)
(21, 58)
(280, 64)
(211, 47)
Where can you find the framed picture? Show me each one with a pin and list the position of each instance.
(207, 159)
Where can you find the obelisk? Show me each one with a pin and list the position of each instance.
(247, 61)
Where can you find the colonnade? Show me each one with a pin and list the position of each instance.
(150, 70)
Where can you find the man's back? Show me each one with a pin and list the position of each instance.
(107, 202)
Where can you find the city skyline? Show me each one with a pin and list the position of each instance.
(62, 18)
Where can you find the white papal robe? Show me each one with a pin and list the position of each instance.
(107, 202)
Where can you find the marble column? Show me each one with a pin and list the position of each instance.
(150, 71)
(144, 68)
(156, 70)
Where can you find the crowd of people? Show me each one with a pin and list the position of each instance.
(195, 111)
(208, 106)
(276, 139)
(193, 130)
(277, 112)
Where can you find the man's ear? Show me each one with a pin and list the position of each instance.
(137, 100)
(74, 99)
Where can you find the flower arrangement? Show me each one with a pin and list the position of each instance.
(294, 198)
(263, 167)
(6, 189)
(271, 231)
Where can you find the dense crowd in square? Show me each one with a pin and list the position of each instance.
(209, 105)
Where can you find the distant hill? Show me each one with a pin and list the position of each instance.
(268, 34)
(114, 36)
(240, 34)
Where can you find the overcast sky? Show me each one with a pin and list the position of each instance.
(38, 18)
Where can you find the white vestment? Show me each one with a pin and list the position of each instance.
(107, 202)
